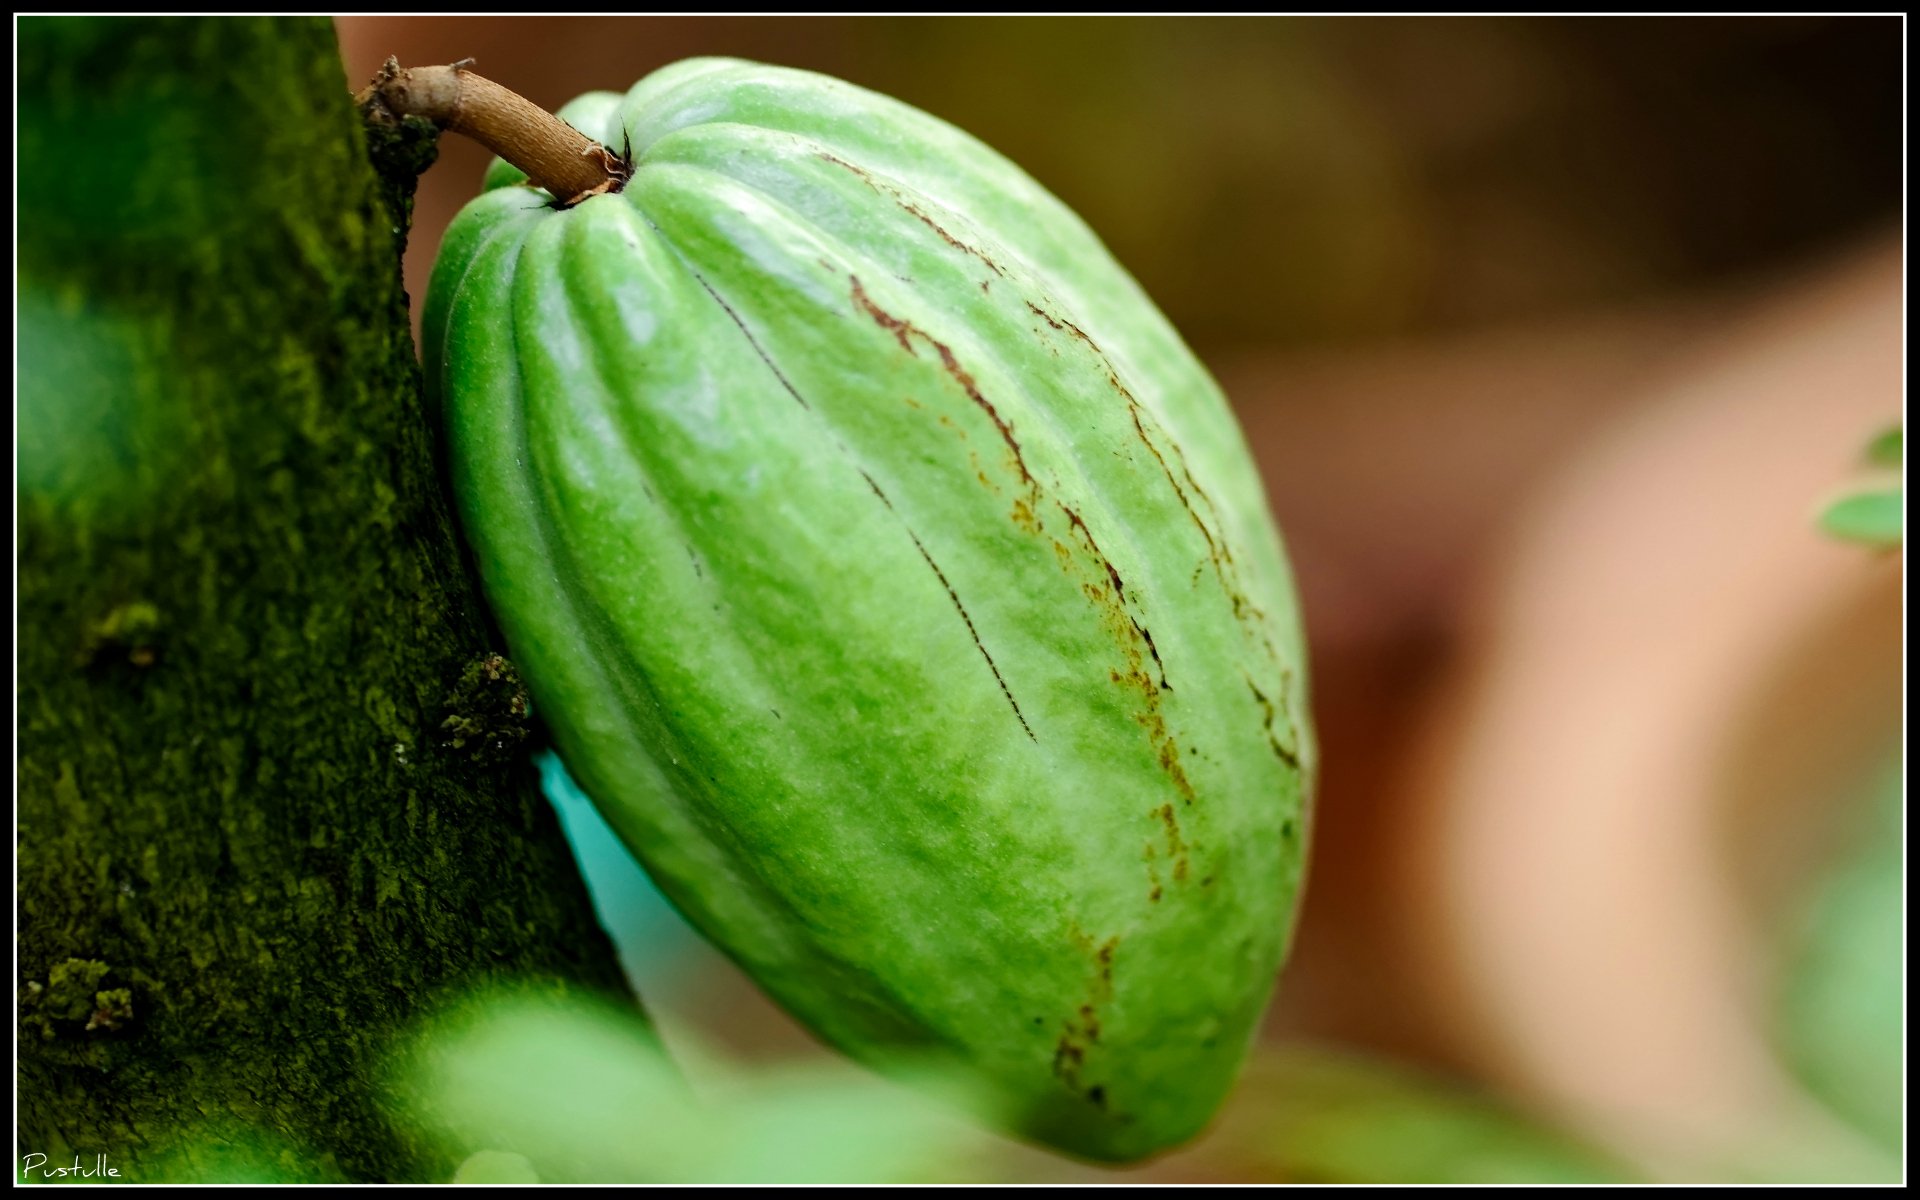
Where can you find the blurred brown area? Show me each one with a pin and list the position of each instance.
(1548, 334)
(1280, 182)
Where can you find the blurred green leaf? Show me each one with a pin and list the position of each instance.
(496, 1166)
(1327, 1116)
(1843, 1002)
(1871, 510)
(1887, 450)
(1872, 516)
(87, 427)
(585, 1094)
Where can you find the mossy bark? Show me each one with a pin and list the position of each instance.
(250, 853)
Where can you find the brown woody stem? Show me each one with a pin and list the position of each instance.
(554, 154)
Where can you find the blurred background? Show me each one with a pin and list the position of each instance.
(1550, 336)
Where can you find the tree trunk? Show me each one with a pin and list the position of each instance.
(273, 799)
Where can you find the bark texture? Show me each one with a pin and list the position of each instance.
(273, 801)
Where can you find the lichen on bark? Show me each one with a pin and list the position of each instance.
(242, 607)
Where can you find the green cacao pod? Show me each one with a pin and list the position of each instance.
(897, 584)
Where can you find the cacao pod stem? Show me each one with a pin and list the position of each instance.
(554, 154)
